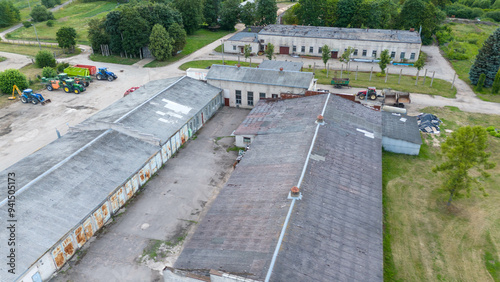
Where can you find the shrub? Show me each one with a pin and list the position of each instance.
(49, 72)
(45, 59)
(495, 15)
(480, 82)
(496, 83)
(40, 14)
(12, 77)
(490, 128)
(61, 66)
(50, 23)
(26, 24)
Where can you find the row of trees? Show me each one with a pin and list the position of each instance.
(128, 29)
(8, 13)
(384, 14)
(487, 62)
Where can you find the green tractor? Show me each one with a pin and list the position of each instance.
(82, 80)
(69, 85)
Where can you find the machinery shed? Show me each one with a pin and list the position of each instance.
(69, 189)
(400, 134)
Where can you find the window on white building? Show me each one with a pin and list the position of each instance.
(246, 140)
(412, 56)
(402, 55)
(294, 48)
(311, 49)
(320, 50)
(238, 97)
(393, 54)
(303, 49)
(262, 95)
(250, 98)
(355, 53)
(234, 47)
(374, 53)
(275, 96)
(364, 53)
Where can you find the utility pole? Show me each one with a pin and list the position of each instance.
(34, 27)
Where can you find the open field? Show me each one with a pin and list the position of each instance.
(114, 59)
(32, 50)
(194, 42)
(424, 240)
(206, 63)
(76, 15)
(467, 40)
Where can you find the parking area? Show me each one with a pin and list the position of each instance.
(171, 205)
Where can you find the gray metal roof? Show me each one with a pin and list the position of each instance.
(359, 34)
(335, 232)
(60, 184)
(276, 65)
(261, 76)
(177, 100)
(55, 203)
(244, 37)
(401, 127)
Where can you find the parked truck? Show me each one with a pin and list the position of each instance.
(340, 82)
(396, 98)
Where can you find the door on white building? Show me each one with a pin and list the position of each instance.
(335, 54)
(284, 50)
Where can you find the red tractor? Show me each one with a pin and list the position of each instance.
(372, 94)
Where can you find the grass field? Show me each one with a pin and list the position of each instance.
(424, 240)
(194, 42)
(32, 50)
(468, 39)
(76, 15)
(114, 59)
(204, 64)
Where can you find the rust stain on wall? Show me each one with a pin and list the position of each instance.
(89, 230)
(69, 249)
(80, 236)
(98, 219)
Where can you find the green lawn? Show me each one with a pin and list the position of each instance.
(32, 50)
(76, 15)
(468, 39)
(2, 59)
(194, 42)
(423, 239)
(114, 59)
(202, 64)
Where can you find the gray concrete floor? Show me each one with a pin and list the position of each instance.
(169, 207)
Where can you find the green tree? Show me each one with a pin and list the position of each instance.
(346, 56)
(49, 72)
(9, 14)
(134, 31)
(178, 34)
(66, 37)
(45, 58)
(211, 11)
(160, 43)
(269, 51)
(385, 59)
(61, 66)
(416, 13)
(97, 34)
(229, 14)
(346, 10)
(480, 82)
(325, 54)
(420, 63)
(50, 3)
(112, 27)
(266, 11)
(388, 13)
(487, 60)
(11, 77)
(40, 14)
(463, 151)
(496, 83)
(309, 12)
(329, 12)
(248, 14)
(160, 13)
(192, 15)
(246, 51)
(290, 16)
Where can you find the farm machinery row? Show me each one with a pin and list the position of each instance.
(76, 78)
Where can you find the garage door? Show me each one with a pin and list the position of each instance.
(284, 50)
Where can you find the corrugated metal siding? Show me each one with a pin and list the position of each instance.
(399, 146)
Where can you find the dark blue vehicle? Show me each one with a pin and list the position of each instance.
(29, 97)
(104, 74)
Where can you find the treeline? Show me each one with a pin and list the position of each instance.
(9, 14)
(389, 14)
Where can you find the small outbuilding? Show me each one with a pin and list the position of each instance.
(400, 134)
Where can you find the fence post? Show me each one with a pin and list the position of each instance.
(425, 76)
(327, 69)
(356, 77)
(432, 80)
(453, 80)
(400, 72)
(370, 76)
(416, 80)
(386, 74)
(341, 69)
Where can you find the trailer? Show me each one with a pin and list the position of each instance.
(75, 71)
(92, 69)
(340, 82)
(396, 98)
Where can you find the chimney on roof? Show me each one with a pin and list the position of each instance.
(412, 29)
(238, 65)
(295, 191)
(320, 119)
(281, 69)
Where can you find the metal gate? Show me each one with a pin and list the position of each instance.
(146, 53)
(284, 50)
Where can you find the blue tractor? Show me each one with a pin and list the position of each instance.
(104, 74)
(29, 97)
